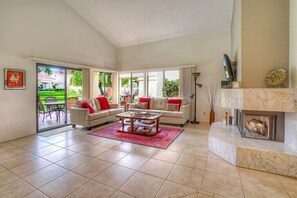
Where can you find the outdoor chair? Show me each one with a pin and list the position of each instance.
(44, 112)
(54, 108)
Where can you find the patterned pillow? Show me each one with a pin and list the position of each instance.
(142, 105)
(160, 103)
(172, 107)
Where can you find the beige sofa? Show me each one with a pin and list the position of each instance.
(170, 117)
(82, 116)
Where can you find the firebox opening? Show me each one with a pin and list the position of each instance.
(261, 125)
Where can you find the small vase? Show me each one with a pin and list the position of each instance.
(212, 116)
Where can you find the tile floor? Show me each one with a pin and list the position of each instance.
(74, 164)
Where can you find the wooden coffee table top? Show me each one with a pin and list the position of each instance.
(139, 115)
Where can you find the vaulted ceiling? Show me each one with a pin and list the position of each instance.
(131, 22)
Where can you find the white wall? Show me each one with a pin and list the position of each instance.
(236, 37)
(291, 118)
(47, 29)
(204, 49)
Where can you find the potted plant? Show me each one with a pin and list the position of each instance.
(211, 95)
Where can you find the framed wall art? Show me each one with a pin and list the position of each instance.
(14, 79)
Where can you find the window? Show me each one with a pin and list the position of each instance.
(137, 86)
(131, 86)
(155, 84)
(171, 83)
(105, 85)
(163, 83)
(125, 87)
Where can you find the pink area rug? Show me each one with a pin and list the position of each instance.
(160, 140)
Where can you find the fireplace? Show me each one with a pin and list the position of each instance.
(264, 125)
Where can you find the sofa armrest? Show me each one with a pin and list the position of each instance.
(114, 105)
(186, 110)
(78, 115)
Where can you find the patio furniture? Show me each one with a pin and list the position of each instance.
(42, 111)
(54, 106)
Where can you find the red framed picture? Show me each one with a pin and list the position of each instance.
(14, 79)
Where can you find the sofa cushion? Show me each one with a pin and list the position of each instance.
(160, 103)
(78, 103)
(175, 101)
(173, 114)
(104, 104)
(172, 107)
(97, 115)
(97, 104)
(115, 111)
(148, 100)
(86, 105)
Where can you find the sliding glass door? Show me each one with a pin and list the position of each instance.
(57, 90)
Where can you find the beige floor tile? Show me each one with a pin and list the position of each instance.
(46, 150)
(16, 189)
(259, 177)
(189, 177)
(196, 150)
(92, 190)
(292, 194)
(79, 147)
(170, 189)
(132, 161)
(125, 147)
(120, 194)
(36, 194)
(110, 143)
(2, 169)
(114, 176)
(45, 175)
(64, 185)
(288, 183)
(200, 195)
(144, 151)
(74, 161)
(94, 151)
(35, 145)
(191, 196)
(168, 156)
(193, 161)
(55, 139)
(222, 185)
(256, 190)
(6, 155)
(222, 167)
(112, 156)
(18, 160)
(68, 142)
(142, 185)
(30, 167)
(92, 168)
(7, 177)
(157, 168)
(58, 155)
(176, 147)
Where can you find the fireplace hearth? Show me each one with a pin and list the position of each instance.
(264, 125)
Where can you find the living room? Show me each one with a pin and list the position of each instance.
(259, 35)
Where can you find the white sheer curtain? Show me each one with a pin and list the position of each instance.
(187, 86)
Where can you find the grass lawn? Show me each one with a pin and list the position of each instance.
(60, 95)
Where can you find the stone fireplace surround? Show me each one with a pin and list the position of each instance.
(269, 156)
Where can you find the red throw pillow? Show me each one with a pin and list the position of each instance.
(175, 101)
(87, 106)
(148, 100)
(103, 103)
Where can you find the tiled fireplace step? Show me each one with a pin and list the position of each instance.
(269, 156)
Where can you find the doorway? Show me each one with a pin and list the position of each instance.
(57, 88)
